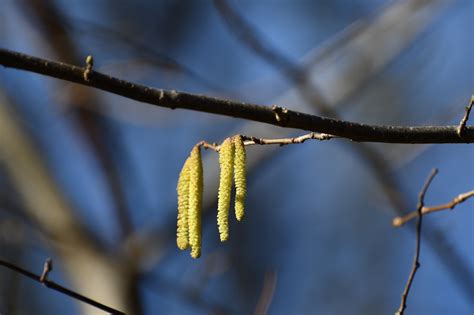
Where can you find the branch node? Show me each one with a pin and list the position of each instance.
(397, 222)
(47, 268)
(281, 114)
(462, 123)
(88, 70)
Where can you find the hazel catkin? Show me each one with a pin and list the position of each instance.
(182, 230)
(240, 158)
(226, 163)
(195, 201)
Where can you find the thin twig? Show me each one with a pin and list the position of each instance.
(59, 288)
(286, 141)
(47, 268)
(399, 221)
(416, 260)
(293, 119)
(462, 123)
(248, 140)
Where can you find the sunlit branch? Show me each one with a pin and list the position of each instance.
(275, 115)
(399, 221)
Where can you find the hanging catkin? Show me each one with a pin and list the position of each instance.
(182, 231)
(240, 158)
(226, 163)
(195, 201)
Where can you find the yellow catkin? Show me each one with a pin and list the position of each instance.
(182, 231)
(226, 163)
(240, 159)
(195, 201)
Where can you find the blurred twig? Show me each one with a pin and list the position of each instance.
(251, 36)
(146, 52)
(161, 284)
(266, 295)
(416, 259)
(47, 15)
(88, 263)
(59, 288)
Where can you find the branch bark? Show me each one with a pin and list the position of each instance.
(275, 116)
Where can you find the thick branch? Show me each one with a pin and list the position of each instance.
(275, 116)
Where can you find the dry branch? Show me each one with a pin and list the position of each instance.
(416, 259)
(291, 119)
(399, 221)
(249, 140)
(465, 118)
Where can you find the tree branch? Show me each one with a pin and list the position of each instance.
(59, 288)
(281, 141)
(275, 116)
(465, 118)
(399, 221)
(416, 260)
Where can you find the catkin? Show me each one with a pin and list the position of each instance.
(226, 163)
(240, 159)
(182, 231)
(195, 201)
